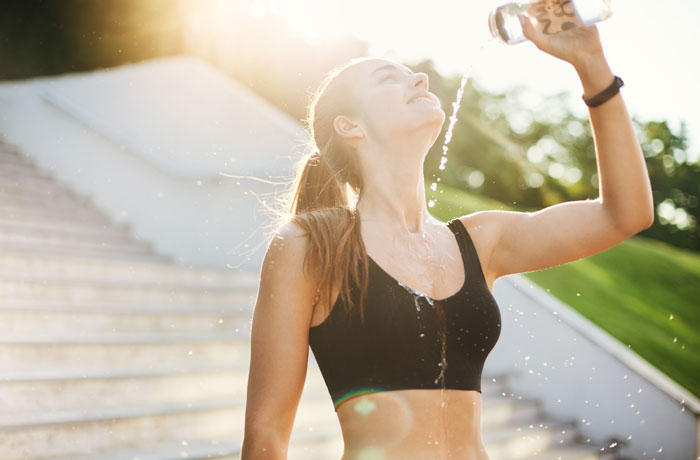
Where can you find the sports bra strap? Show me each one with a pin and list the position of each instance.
(466, 245)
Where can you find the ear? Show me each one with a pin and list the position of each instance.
(346, 127)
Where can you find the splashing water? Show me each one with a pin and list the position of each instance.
(455, 108)
(436, 304)
(442, 334)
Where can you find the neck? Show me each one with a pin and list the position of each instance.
(396, 199)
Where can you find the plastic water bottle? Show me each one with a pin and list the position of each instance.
(551, 16)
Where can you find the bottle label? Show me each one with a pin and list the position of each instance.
(554, 16)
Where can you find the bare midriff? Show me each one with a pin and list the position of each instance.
(413, 425)
(409, 424)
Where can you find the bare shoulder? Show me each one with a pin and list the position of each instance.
(286, 290)
(290, 232)
(484, 228)
(284, 259)
(287, 247)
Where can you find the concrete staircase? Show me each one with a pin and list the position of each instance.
(39, 214)
(109, 351)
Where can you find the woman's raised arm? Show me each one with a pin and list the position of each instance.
(528, 241)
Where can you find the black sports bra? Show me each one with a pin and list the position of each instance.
(400, 344)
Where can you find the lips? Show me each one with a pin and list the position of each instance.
(427, 96)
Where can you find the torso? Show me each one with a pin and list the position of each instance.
(395, 425)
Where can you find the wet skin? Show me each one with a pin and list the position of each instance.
(408, 424)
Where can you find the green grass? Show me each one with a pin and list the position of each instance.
(642, 291)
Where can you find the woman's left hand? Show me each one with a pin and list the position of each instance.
(560, 32)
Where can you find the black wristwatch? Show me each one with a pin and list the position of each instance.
(606, 94)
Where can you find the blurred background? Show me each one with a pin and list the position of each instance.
(141, 143)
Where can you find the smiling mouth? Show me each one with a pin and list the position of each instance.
(422, 98)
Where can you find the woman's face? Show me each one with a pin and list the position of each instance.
(391, 112)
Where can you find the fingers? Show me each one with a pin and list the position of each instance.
(528, 28)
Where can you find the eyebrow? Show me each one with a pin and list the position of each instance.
(385, 67)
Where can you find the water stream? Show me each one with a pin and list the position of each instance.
(442, 444)
(487, 43)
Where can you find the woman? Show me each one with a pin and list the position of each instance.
(397, 306)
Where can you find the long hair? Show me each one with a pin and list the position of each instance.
(326, 185)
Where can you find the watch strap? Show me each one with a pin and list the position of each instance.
(606, 94)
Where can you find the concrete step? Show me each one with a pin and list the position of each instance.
(12, 154)
(27, 323)
(48, 203)
(28, 189)
(304, 445)
(61, 395)
(16, 160)
(499, 410)
(40, 245)
(94, 240)
(241, 307)
(13, 171)
(575, 452)
(326, 446)
(88, 215)
(69, 434)
(34, 188)
(223, 449)
(51, 266)
(70, 232)
(42, 193)
(33, 390)
(74, 432)
(21, 289)
(38, 221)
(17, 175)
(123, 352)
(46, 200)
(85, 252)
(518, 440)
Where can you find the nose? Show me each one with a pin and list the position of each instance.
(422, 79)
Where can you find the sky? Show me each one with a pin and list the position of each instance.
(648, 43)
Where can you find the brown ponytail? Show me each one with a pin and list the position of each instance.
(324, 192)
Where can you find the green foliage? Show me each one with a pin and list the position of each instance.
(675, 184)
(531, 152)
(57, 36)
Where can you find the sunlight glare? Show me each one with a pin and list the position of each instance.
(315, 20)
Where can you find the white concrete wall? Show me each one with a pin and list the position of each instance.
(140, 141)
(578, 370)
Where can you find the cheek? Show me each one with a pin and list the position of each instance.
(389, 98)
(392, 104)
(385, 110)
